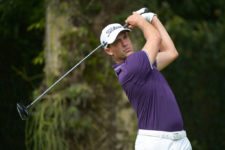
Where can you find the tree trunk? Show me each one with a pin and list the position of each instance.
(56, 26)
(84, 110)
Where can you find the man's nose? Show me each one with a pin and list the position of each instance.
(123, 42)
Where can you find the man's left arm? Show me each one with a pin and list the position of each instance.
(168, 52)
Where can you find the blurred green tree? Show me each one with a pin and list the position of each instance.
(88, 110)
(21, 30)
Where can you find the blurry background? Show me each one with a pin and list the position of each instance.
(40, 40)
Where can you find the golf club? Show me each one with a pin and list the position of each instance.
(23, 110)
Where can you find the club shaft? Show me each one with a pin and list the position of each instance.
(48, 89)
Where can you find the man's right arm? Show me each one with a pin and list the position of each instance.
(151, 34)
(168, 52)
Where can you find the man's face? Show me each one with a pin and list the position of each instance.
(120, 48)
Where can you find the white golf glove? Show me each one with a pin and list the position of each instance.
(148, 16)
(142, 11)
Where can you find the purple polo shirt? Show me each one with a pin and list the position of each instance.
(149, 94)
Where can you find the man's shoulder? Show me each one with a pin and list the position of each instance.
(136, 55)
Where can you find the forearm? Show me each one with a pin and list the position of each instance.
(167, 43)
(149, 31)
(153, 40)
(168, 53)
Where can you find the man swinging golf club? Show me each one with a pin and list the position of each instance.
(160, 124)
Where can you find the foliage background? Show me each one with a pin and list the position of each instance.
(89, 102)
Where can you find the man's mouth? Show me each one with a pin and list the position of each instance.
(127, 50)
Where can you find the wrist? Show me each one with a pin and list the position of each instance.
(155, 21)
(142, 24)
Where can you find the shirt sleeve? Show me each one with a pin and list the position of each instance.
(138, 67)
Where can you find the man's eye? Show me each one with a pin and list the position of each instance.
(116, 42)
(125, 36)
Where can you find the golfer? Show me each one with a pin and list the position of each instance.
(160, 124)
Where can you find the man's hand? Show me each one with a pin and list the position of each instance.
(148, 16)
(135, 20)
(140, 11)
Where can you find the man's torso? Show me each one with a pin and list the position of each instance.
(149, 94)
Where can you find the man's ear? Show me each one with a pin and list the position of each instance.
(108, 51)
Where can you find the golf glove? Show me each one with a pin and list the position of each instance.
(142, 11)
(148, 16)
